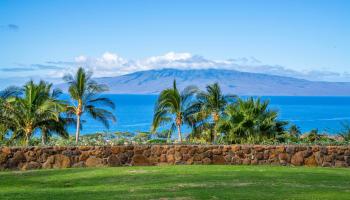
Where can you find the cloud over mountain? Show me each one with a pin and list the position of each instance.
(111, 64)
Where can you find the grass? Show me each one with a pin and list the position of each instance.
(178, 182)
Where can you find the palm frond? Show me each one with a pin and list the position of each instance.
(103, 101)
(102, 115)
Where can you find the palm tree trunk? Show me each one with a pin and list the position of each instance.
(78, 130)
(216, 119)
(28, 132)
(43, 136)
(179, 133)
(27, 139)
(168, 140)
(43, 139)
(214, 138)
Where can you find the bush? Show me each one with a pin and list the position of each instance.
(157, 141)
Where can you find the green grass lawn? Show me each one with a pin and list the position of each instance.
(178, 182)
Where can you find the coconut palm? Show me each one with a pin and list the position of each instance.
(85, 96)
(4, 95)
(313, 136)
(57, 126)
(29, 111)
(202, 131)
(173, 107)
(250, 121)
(212, 104)
(344, 133)
(201, 128)
(294, 131)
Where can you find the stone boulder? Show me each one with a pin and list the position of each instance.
(113, 161)
(17, 159)
(79, 164)
(340, 163)
(218, 160)
(31, 165)
(206, 161)
(94, 162)
(84, 156)
(162, 158)
(298, 159)
(170, 158)
(5, 151)
(311, 161)
(140, 160)
(57, 161)
(283, 157)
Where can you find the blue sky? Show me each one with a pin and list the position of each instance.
(308, 39)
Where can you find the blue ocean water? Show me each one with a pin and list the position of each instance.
(134, 113)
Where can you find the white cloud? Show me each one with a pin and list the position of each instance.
(109, 64)
(170, 57)
(177, 60)
(80, 59)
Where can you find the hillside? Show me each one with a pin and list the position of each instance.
(242, 83)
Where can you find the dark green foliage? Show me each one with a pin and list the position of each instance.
(157, 141)
(345, 132)
(142, 137)
(250, 121)
(210, 106)
(173, 108)
(34, 107)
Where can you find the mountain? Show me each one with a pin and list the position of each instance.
(231, 81)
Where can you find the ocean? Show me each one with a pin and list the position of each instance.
(135, 112)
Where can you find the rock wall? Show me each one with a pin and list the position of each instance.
(85, 156)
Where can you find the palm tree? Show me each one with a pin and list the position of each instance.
(201, 128)
(173, 107)
(202, 131)
(250, 121)
(294, 131)
(29, 111)
(313, 136)
(4, 95)
(85, 95)
(59, 126)
(212, 103)
(345, 132)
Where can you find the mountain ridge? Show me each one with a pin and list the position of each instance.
(231, 81)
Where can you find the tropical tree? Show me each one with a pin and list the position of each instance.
(173, 107)
(294, 131)
(58, 127)
(345, 132)
(33, 109)
(4, 95)
(313, 136)
(212, 104)
(250, 121)
(201, 128)
(142, 137)
(85, 98)
(202, 131)
(122, 135)
(291, 135)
